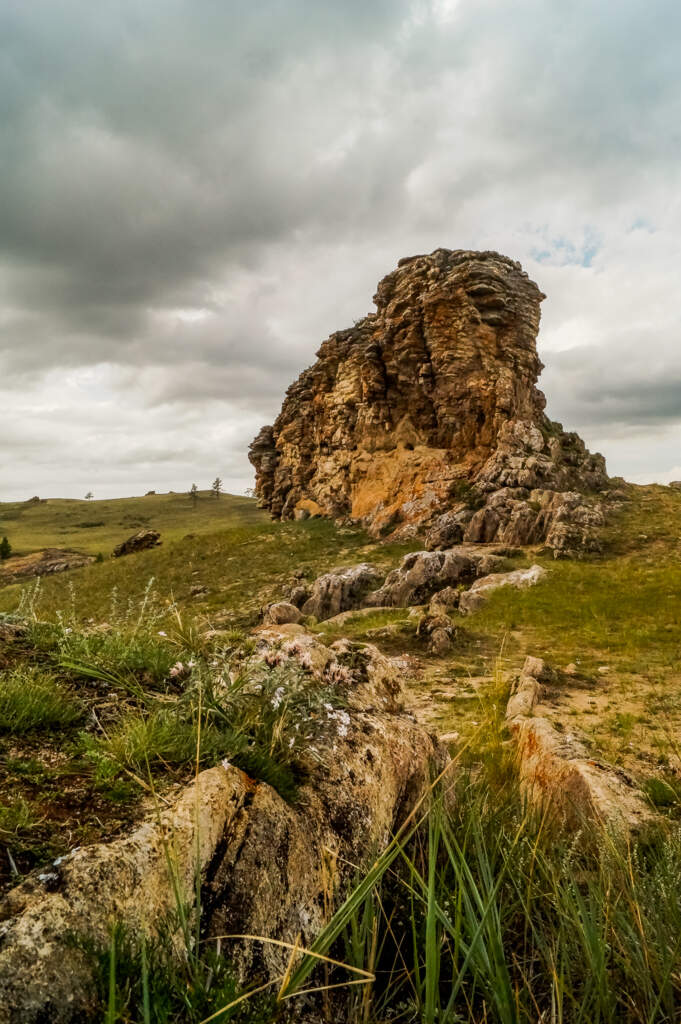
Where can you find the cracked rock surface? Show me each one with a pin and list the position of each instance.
(425, 417)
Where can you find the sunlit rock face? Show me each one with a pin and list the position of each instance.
(426, 417)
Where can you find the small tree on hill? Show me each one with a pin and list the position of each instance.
(194, 494)
(216, 487)
(5, 548)
(89, 496)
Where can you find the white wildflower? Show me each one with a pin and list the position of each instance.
(162, 632)
(278, 696)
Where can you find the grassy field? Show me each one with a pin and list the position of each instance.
(540, 928)
(97, 526)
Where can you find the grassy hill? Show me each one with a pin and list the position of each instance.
(91, 717)
(97, 526)
(224, 557)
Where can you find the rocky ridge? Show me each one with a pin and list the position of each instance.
(425, 417)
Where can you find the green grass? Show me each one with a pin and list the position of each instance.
(97, 526)
(241, 567)
(143, 981)
(31, 700)
(487, 914)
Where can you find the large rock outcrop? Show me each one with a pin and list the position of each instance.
(428, 408)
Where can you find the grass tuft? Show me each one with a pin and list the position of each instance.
(31, 699)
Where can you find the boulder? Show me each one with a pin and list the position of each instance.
(140, 541)
(438, 628)
(421, 574)
(281, 612)
(263, 863)
(444, 600)
(340, 590)
(474, 598)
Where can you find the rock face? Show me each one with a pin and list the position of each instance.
(429, 408)
(41, 563)
(265, 866)
(139, 541)
(340, 590)
(421, 574)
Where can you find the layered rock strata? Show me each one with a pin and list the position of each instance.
(426, 416)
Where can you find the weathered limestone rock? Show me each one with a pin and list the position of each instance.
(426, 416)
(139, 541)
(422, 574)
(556, 771)
(263, 863)
(474, 598)
(341, 590)
(41, 563)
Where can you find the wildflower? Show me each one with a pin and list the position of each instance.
(176, 670)
(226, 764)
(278, 696)
(162, 632)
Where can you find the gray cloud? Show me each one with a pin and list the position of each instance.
(193, 195)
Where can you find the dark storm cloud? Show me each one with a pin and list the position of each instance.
(194, 194)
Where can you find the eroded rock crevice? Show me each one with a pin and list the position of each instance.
(426, 416)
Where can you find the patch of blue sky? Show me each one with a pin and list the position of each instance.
(562, 251)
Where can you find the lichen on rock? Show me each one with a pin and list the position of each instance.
(428, 408)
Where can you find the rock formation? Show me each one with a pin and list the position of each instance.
(556, 770)
(426, 416)
(140, 541)
(41, 563)
(261, 861)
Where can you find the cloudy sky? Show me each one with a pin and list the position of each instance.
(195, 193)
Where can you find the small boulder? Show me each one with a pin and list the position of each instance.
(140, 541)
(445, 600)
(281, 612)
(46, 562)
(439, 631)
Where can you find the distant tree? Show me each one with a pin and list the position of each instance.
(216, 487)
(194, 494)
(89, 496)
(5, 548)
(250, 492)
